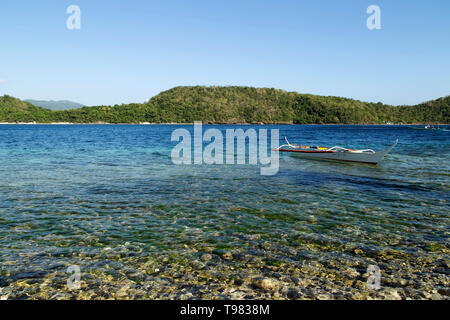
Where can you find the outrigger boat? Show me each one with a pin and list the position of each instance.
(335, 153)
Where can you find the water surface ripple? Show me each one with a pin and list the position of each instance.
(109, 199)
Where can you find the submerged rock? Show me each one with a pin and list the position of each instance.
(266, 284)
(206, 257)
(444, 291)
(228, 256)
(293, 293)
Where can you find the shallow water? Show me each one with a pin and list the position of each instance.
(109, 199)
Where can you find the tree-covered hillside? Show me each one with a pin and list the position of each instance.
(234, 105)
(15, 110)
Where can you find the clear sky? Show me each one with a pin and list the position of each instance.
(128, 51)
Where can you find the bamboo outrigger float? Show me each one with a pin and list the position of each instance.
(336, 153)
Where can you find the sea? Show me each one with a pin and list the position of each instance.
(110, 200)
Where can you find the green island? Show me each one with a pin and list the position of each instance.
(224, 105)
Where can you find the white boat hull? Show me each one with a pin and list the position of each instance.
(362, 157)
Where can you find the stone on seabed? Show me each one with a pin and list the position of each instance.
(266, 284)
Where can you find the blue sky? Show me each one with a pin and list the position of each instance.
(128, 51)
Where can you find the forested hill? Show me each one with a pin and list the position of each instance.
(234, 105)
(15, 110)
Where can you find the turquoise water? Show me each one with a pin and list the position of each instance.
(108, 198)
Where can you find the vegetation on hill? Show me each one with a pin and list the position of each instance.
(234, 105)
(15, 110)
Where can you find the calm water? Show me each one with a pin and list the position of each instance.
(68, 194)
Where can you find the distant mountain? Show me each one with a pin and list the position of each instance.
(234, 105)
(55, 105)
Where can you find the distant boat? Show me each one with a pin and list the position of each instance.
(335, 153)
(429, 127)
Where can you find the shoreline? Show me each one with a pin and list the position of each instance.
(221, 123)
